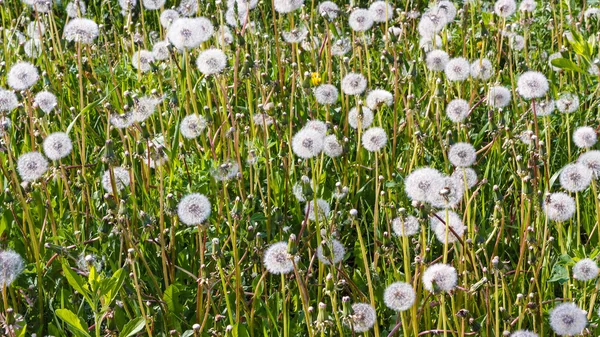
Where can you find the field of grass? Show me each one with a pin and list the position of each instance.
(299, 168)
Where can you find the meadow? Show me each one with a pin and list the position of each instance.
(313, 168)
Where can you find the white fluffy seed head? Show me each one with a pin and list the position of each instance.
(329, 10)
(457, 110)
(326, 94)
(122, 121)
(8, 100)
(76, 9)
(121, 179)
(379, 97)
(287, 6)
(277, 260)
(317, 125)
(446, 192)
(374, 139)
(559, 207)
(462, 154)
(532, 84)
(57, 145)
(192, 126)
(567, 319)
(167, 17)
(432, 22)
(543, 108)
(354, 84)
(193, 209)
(46, 101)
(307, 143)
(81, 30)
(188, 7)
(567, 103)
(160, 50)
(591, 159)
(437, 60)
(364, 117)
(363, 317)
(448, 9)
(22, 75)
(399, 296)
(153, 4)
(523, 333)
(498, 97)
(321, 205)
(505, 8)
(405, 226)
(11, 266)
(381, 11)
(360, 20)
(211, 61)
(585, 270)
(585, 137)
(188, 33)
(575, 177)
(295, 35)
(36, 30)
(142, 60)
(5, 125)
(457, 69)
(31, 166)
(482, 69)
(527, 6)
(439, 277)
(332, 147)
(450, 226)
(333, 252)
(341, 47)
(144, 107)
(418, 184)
(466, 175)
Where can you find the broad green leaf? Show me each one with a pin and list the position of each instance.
(566, 64)
(75, 325)
(171, 297)
(133, 327)
(113, 286)
(240, 331)
(77, 283)
(559, 274)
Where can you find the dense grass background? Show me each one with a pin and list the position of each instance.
(514, 265)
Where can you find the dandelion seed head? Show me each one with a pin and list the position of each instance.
(462, 154)
(153, 4)
(364, 117)
(432, 22)
(224, 36)
(167, 17)
(237, 18)
(517, 42)
(559, 207)
(8, 100)
(192, 126)
(482, 69)
(505, 8)
(360, 20)
(532, 84)
(277, 260)
(405, 226)
(585, 137)
(76, 9)
(295, 35)
(160, 50)
(437, 60)
(575, 177)
(332, 147)
(457, 110)
(11, 266)
(33, 48)
(329, 10)
(188, 7)
(568, 319)
(122, 121)
(142, 60)
(363, 317)
(22, 75)
(419, 182)
(211, 61)
(5, 125)
(543, 108)
(40, 6)
(585, 270)
(36, 30)
(591, 159)
(341, 47)
(57, 145)
(523, 333)
(81, 30)
(46, 101)
(399, 296)
(189, 33)
(429, 44)
(193, 209)
(354, 84)
(307, 143)
(144, 108)
(121, 176)
(263, 120)
(287, 6)
(381, 11)
(336, 252)
(317, 125)
(498, 97)
(454, 222)
(567, 103)
(379, 97)
(31, 166)
(457, 69)
(439, 277)
(374, 139)
(322, 207)
(127, 6)
(527, 6)
(446, 192)
(226, 171)
(466, 175)
(448, 9)
(326, 94)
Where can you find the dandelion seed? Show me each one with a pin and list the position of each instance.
(523, 333)
(160, 50)
(585, 137)
(11, 266)
(263, 120)
(559, 207)
(446, 192)
(341, 47)
(374, 139)
(429, 44)
(418, 184)
(186, 33)
(167, 17)
(22, 75)
(192, 126)
(360, 20)
(364, 117)
(296, 35)
(57, 145)
(250, 4)
(437, 60)
(277, 260)
(439, 277)
(121, 176)
(498, 97)
(466, 175)
(85, 262)
(432, 22)
(31, 166)
(482, 69)
(457, 110)
(591, 159)
(378, 97)
(122, 121)
(408, 226)
(567, 103)
(462, 154)
(335, 249)
(211, 61)
(237, 18)
(316, 125)
(40, 6)
(381, 11)
(452, 220)
(8, 100)
(142, 60)
(153, 4)
(144, 108)
(363, 317)
(457, 69)
(594, 70)
(585, 270)
(543, 108)
(575, 177)
(81, 30)
(517, 42)
(287, 6)
(322, 207)
(188, 7)
(354, 84)
(527, 6)
(567, 319)
(224, 36)
(76, 9)
(193, 209)
(332, 147)
(326, 94)
(127, 6)
(329, 10)
(307, 143)
(532, 84)
(399, 296)
(448, 9)
(505, 8)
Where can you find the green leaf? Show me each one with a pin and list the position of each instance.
(559, 274)
(113, 286)
(75, 325)
(77, 283)
(171, 297)
(240, 331)
(188, 333)
(133, 327)
(566, 64)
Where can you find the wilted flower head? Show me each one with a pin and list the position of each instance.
(450, 226)
(333, 252)
(399, 296)
(193, 209)
(567, 103)
(364, 117)
(22, 75)
(439, 277)
(567, 319)
(144, 107)
(188, 33)
(211, 61)
(482, 69)
(498, 97)
(405, 226)
(295, 35)
(192, 126)
(374, 139)
(81, 30)
(153, 4)
(379, 97)
(321, 205)
(121, 179)
(11, 266)
(75, 9)
(466, 175)
(142, 60)
(575, 177)
(360, 20)
(418, 183)
(363, 317)
(326, 94)
(457, 69)
(446, 192)
(354, 84)
(543, 108)
(332, 147)
(532, 84)
(559, 207)
(277, 260)
(167, 17)
(307, 143)
(381, 11)
(8, 100)
(31, 166)
(57, 145)
(505, 8)
(457, 110)
(462, 154)
(329, 10)
(585, 270)
(287, 6)
(591, 159)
